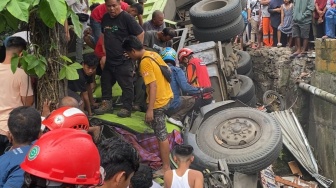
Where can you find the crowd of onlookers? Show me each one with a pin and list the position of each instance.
(154, 78)
(288, 23)
(55, 149)
(59, 152)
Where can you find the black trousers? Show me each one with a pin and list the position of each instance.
(140, 92)
(275, 36)
(201, 102)
(318, 28)
(123, 74)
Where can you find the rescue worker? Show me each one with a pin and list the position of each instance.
(197, 75)
(62, 158)
(66, 117)
(180, 105)
(70, 117)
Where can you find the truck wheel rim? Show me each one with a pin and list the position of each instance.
(237, 133)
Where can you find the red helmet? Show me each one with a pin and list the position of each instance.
(64, 155)
(184, 52)
(66, 117)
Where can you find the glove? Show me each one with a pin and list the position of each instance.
(207, 90)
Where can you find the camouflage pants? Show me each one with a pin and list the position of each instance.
(159, 123)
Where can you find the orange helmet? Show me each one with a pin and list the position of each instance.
(66, 117)
(66, 156)
(184, 52)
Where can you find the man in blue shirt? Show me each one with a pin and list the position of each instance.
(24, 125)
(274, 8)
(180, 105)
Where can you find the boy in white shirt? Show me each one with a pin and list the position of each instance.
(183, 177)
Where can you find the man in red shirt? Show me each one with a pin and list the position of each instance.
(97, 14)
(318, 18)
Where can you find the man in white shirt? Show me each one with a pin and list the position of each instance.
(79, 7)
(253, 8)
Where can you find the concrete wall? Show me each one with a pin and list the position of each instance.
(322, 127)
(322, 118)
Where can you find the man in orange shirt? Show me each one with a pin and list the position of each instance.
(159, 93)
(197, 75)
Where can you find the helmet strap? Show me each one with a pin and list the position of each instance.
(50, 183)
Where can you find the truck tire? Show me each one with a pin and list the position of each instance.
(250, 74)
(222, 33)
(274, 101)
(247, 89)
(252, 103)
(244, 63)
(214, 13)
(216, 139)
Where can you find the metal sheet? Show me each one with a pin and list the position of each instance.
(297, 143)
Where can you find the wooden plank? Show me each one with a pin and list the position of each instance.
(286, 182)
(295, 168)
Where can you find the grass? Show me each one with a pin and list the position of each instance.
(116, 90)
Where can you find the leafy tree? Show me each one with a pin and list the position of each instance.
(46, 61)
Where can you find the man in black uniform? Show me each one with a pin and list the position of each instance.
(82, 84)
(117, 25)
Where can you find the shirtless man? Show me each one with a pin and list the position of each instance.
(183, 177)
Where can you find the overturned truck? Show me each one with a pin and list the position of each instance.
(229, 135)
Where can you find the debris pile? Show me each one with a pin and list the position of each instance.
(296, 141)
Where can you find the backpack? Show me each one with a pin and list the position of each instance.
(165, 70)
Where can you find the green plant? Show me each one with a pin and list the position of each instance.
(51, 12)
(32, 64)
(36, 65)
(12, 12)
(69, 71)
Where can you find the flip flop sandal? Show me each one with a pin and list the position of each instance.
(301, 55)
(293, 56)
